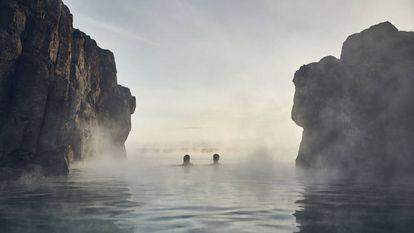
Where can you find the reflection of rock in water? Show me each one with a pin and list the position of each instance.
(356, 209)
(357, 111)
(62, 205)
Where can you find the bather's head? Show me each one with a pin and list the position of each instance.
(216, 158)
(186, 160)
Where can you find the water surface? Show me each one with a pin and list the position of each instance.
(228, 198)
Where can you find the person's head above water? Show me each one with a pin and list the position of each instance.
(186, 160)
(216, 158)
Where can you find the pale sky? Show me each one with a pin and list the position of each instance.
(219, 72)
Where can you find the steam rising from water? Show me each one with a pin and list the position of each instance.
(253, 194)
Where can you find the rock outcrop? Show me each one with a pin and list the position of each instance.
(59, 97)
(357, 112)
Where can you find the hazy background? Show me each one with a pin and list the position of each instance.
(215, 75)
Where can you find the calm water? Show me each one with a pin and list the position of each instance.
(229, 198)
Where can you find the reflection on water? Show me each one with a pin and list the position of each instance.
(213, 199)
(200, 199)
(363, 207)
(73, 204)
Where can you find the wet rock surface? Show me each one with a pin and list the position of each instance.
(357, 112)
(59, 97)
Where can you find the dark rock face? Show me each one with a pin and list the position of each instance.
(357, 112)
(59, 97)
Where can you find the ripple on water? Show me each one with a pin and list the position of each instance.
(200, 200)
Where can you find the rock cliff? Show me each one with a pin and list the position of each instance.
(59, 97)
(357, 112)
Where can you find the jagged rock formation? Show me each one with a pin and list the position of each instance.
(357, 112)
(59, 97)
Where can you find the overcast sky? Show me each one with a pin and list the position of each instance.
(220, 71)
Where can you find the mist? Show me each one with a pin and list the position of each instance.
(205, 77)
(220, 72)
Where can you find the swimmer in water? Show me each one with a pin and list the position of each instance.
(186, 160)
(216, 158)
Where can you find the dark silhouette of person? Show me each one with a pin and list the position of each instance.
(216, 158)
(186, 160)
